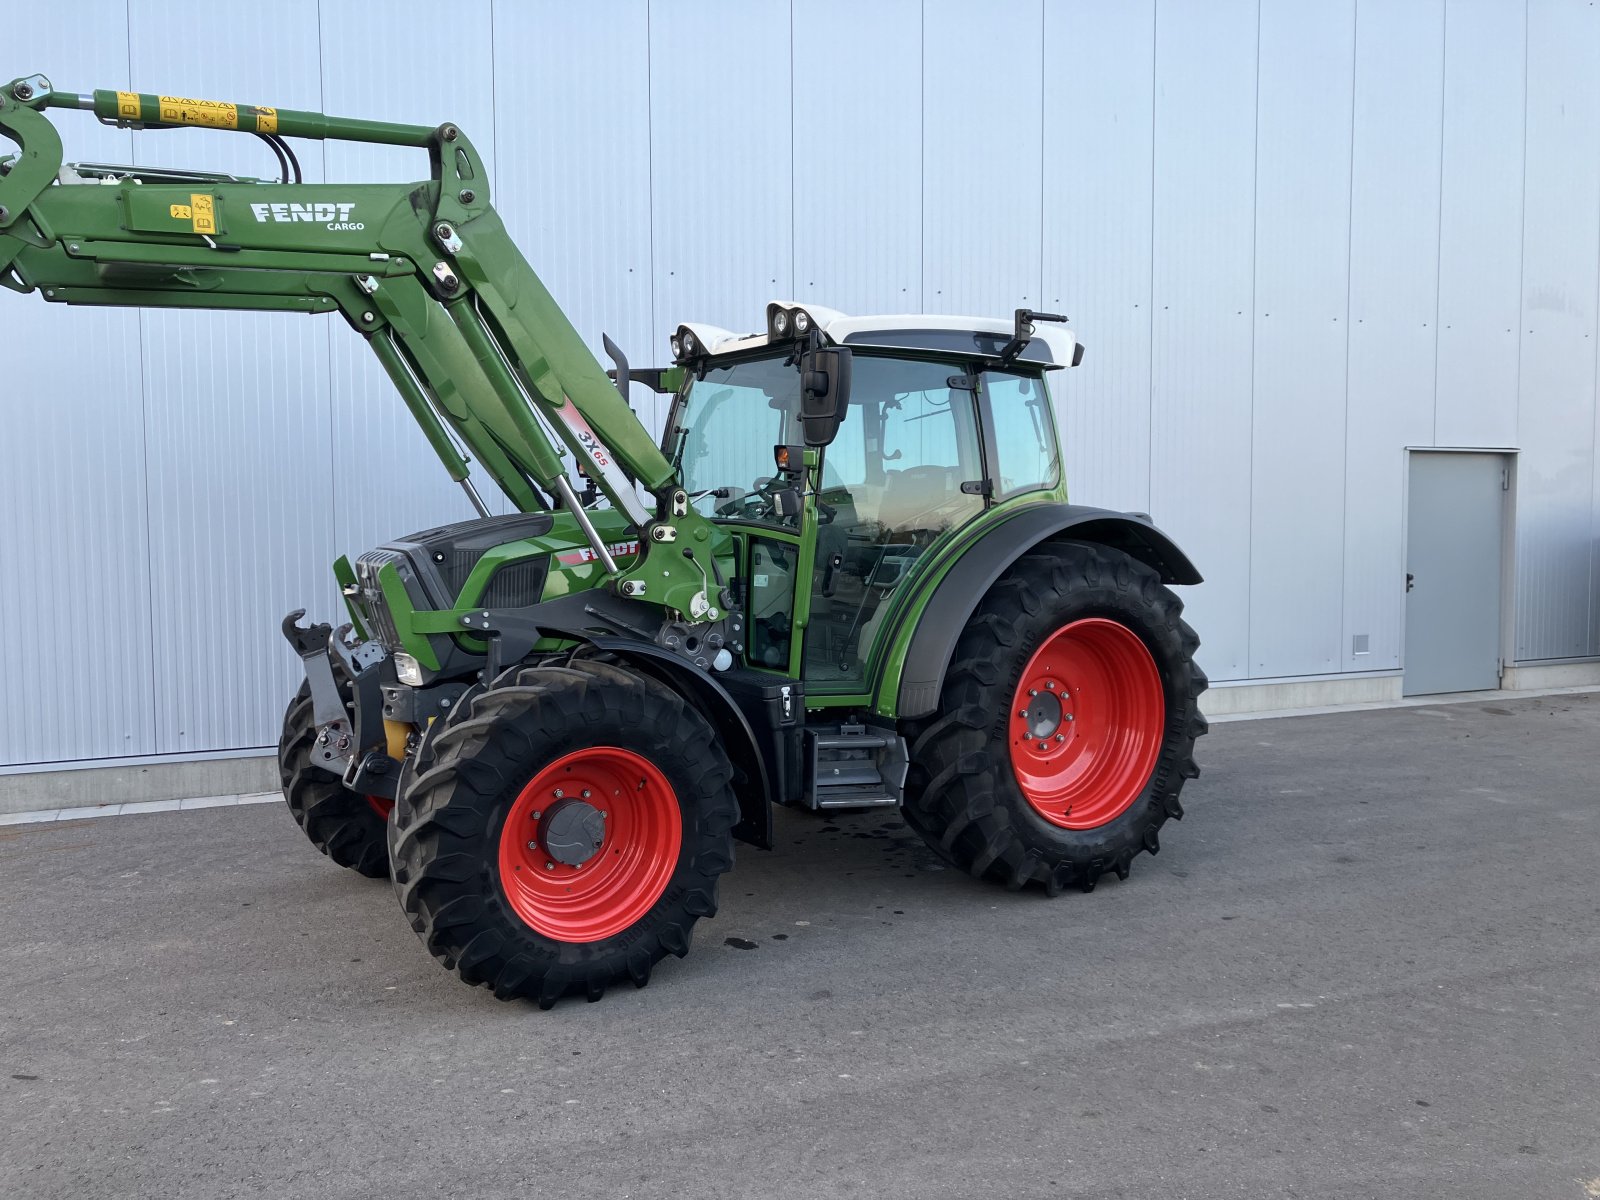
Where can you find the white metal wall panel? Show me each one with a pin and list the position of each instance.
(1561, 265)
(1148, 168)
(1204, 216)
(1307, 58)
(386, 479)
(74, 566)
(572, 90)
(982, 135)
(858, 199)
(1481, 223)
(238, 441)
(1099, 131)
(1394, 265)
(721, 161)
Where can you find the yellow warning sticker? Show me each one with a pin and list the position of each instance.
(204, 213)
(128, 106)
(266, 120)
(181, 212)
(213, 114)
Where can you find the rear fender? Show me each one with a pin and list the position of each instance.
(942, 615)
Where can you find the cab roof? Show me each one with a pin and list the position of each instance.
(1052, 345)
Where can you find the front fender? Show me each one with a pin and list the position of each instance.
(915, 678)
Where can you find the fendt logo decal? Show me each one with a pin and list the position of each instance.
(332, 214)
(584, 554)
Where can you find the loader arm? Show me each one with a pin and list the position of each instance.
(484, 358)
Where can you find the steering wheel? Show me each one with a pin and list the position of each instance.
(747, 503)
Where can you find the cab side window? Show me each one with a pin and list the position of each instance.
(1024, 433)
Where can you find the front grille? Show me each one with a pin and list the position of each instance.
(367, 578)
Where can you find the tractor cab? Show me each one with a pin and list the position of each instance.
(938, 426)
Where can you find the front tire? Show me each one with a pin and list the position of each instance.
(564, 830)
(1066, 725)
(348, 827)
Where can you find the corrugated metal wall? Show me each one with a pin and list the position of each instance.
(1296, 239)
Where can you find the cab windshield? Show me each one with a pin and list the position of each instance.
(724, 432)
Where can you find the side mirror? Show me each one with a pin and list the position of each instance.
(824, 392)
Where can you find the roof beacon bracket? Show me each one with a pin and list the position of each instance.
(1024, 333)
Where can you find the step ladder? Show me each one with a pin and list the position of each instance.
(854, 766)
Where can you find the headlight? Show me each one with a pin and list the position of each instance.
(780, 322)
(407, 669)
(802, 321)
(688, 343)
(677, 346)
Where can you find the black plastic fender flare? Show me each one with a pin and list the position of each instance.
(955, 597)
(717, 704)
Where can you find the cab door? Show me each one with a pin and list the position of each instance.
(903, 474)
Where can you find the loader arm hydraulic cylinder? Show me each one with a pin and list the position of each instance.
(488, 365)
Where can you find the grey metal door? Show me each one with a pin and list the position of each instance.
(1453, 564)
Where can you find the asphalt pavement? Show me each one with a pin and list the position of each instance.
(1367, 964)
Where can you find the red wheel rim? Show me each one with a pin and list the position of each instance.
(1086, 723)
(382, 805)
(628, 870)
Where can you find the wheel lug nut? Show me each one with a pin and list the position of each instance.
(1033, 692)
(533, 845)
(1051, 684)
(1044, 745)
(1061, 737)
(537, 815)
(559, 793)
(585, 793)
(549, 866)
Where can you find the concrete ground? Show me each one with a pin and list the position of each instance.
(1366, 965)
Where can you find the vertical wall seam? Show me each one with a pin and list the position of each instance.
(1522, 284)
(1592, 630)
(1250, 451)
(154, 723)
(922, 103)
(1340, 658)
(1522, 221)
(794, 271)
(328, 331)
(1042, 73)
(650, 184)
(1438, 241)
(494, 104)
(1150, 297)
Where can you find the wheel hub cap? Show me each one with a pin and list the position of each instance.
(1044, 713)
(572, 831)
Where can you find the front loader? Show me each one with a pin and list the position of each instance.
(847, 576)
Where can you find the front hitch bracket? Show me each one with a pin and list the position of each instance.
(346, 732)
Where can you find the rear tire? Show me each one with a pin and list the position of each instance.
(477, 863)
(1014, 797)
(348, 827)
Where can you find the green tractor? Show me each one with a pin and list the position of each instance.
(848, 576)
